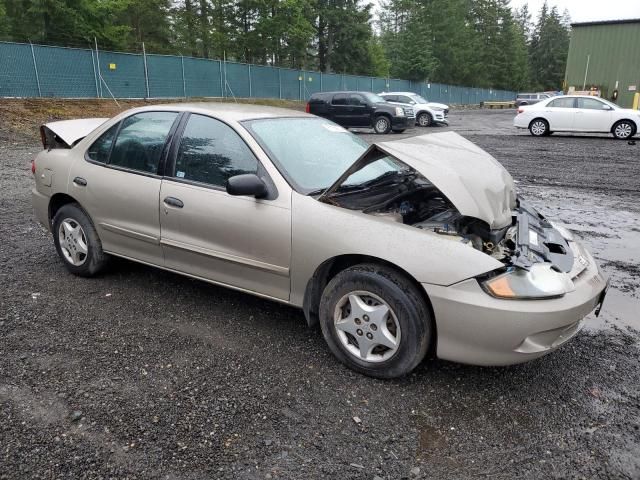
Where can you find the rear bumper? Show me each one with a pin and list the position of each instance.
(40, 204)
(478, 329)
(520, 122)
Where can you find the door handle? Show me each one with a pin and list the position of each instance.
(173, 202)
(81, 182)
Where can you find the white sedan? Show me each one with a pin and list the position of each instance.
(574, 113)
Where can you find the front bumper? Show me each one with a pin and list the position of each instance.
(476, 328)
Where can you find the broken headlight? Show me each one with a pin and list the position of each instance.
(541, 281)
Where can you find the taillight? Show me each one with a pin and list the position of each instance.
(307, 108)
(521, 110)
(33, 166)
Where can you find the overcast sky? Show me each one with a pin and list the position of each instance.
(588, 10)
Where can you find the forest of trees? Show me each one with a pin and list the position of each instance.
(482, 43)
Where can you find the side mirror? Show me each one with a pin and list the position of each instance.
(412, 102)
(606, 107)
(248, 184)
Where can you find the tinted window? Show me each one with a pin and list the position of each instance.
(210, 152)
(561, 103)
(340, 99)
(99, 150)
(141, 140)
(590, 104)
(357, 100)
(404, 99)
(391, 98)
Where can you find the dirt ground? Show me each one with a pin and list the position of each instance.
(144, 374)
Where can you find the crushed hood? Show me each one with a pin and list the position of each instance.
(72, 131)
(474, 181)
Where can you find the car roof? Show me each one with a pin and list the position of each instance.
(398, 93)
(236, 112)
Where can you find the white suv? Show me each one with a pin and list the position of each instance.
(427, 113)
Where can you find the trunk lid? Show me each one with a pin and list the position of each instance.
(474, 181)
(66, 133)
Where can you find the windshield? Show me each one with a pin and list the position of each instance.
(419, 99)
(312, 153)
(373, 98)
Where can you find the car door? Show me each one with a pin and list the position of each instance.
(118, 184)
(360, 112)
(592, 115)
(560, 113)
(237, 241)
(340, 109)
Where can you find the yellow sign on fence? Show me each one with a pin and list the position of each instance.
(112, 66)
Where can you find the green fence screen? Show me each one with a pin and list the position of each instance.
(42, 71)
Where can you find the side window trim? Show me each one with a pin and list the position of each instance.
(113, 142)
(172, 156)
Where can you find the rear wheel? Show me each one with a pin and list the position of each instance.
(382, 124)
(425, 119)
(375, 321)
(624, 129)
(539, 127)
(77, 241)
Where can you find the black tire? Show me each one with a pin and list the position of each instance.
(95, 259)
(400, 130)
(624, 129)
(382, 124)
(424, 119)
(539, 127)
(403, 298)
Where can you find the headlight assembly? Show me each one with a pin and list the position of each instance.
(541, 281)
(399, 112)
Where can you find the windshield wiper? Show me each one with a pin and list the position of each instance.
(319, 191)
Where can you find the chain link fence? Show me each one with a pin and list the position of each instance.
(28, 70)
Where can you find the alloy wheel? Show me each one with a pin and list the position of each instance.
(538, 128)
(367, 326)
(73, 242)
(623, 130)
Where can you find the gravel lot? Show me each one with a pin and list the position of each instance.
(144, 374)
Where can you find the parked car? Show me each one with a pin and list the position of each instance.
(531, 98)
(427, 113)
(400, 249)
(361, 110)
(575, 113)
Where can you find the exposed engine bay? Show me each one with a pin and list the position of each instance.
(409, 198)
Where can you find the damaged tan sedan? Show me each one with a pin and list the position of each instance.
(401, 249)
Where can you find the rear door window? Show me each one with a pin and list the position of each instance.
(562, 103)
(100, 149)
(141, 140)
(391, 98)
(340, 99)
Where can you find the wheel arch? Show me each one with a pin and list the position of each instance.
(331, 267)
(631, 121)
(57, 201)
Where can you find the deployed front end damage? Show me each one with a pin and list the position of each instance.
(448, 187)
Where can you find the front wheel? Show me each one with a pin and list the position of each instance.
(425, 119)
(539, 127)
(375, 321)
(382, 125)
(624, 129)
(77, 241)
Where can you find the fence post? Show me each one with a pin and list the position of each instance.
(95, 76)
(146, 74)
(250, 93)
(280, 83)
(321, 87)
(98, 64)
(221, 81)
(35, 68)
(184, 83)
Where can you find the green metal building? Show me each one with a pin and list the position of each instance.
(605, 56)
